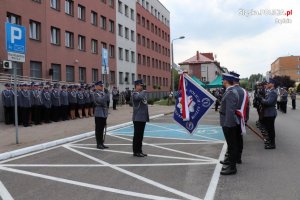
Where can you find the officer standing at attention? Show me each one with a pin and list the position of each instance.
(25, 101)
(115, 97)
(64, 103)
(293, 97)
(140, 117)
(36, 104)
(101, 113)
(229, 122)
(270, 113)
(8, 104)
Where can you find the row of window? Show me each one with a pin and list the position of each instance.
(125, 33)
(154, 29)
(156, 81)
(128, 55)
(69, 6)
(126, 10)
(142, 40)
(154, 12)
(155, 63)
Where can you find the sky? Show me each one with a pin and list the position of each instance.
(242, 40)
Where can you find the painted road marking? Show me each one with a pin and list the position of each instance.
(4, 194)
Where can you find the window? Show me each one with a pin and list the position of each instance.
(56, 72)
(148, 80)
(38, 1)
(153, 80)
(138, 18)
(148, 61)
(103, 22)
(54, 4)
(143, 41)
(69, 7)
(94, 18)
(111, 3)
(111, 51)
(121, 78)
(127, 77)
(120, 53)
(132, 78)
(82, 74)
(144, 60)
(298, 72)
(132, 57)
(55, 35)
(139, 59)
(120, 30)
(34, 30)
(111, 26)
(112, 77)
(120, 6)
(148, 43)
(81, 12)
(132, 14)
(126, 33)
(127, 55)
(139, 38)
(35, 69)
(126, 11)
(95, 76)
(69, 39)
(81, 42)
(94, 46)
(298, 66)
(13, 19)
(132, 36)
(69, 73)
(143, 21)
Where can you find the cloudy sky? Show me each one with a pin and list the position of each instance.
(245, 44)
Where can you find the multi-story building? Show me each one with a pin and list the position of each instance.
(126, 44)
(203, 66)
(287, 66)
(64, 37)
(153, 46)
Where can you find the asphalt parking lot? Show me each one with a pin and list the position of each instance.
(178, 166)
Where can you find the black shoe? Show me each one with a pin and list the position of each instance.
(144, 154)
(225, 162)
(230, 170)
(100, 146)
(270, 146)
(138, 155)
(105, 147)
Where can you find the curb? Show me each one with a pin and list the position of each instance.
(47, 145)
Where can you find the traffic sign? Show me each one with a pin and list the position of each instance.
(15, 38)
(17, 57)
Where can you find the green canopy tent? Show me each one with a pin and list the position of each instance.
(198, 81)
(217, 83)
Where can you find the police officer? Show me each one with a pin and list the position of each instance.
(55, 99)
(36, 104)
(25, 104)
(229, 123)
(101, 114)
(115, 97)
(270, 113)
(8, 104)
(284, 100)
(47, 103)
(80, 101)
(140, 117)
(73, 101)
(87, 100)
(64, 99)
(293, 98)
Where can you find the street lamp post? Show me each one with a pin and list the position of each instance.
(172, 65)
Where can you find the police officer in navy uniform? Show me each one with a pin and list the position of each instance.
(101, 113)
(55, 99)
(47, 103)
(25, 104)
(140, 117)
(115, 97)
(64, 99)
(229, 122)
(37, 103)
(270, 113)
(8, 104)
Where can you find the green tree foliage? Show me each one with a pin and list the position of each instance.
(298, 88)
(285, 81)
(253, 79)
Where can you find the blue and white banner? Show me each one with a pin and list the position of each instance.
(105, 67)
(192, 103)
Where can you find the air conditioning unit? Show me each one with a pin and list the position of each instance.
(7, 64)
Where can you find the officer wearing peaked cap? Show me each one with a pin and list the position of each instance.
(101, 113)
(229, 122)
(8, 104)
(140, 117)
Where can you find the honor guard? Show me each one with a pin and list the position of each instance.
(92, 97)
(64, 99)
(115, 97)
(46, 98)
(73, 101)
(140, 117)
(101, 113)
(55, 99)
(229, 122)
(270, 113)
(80, 101)
(25, 104)
(8, 104)
(87, 100)
(293, 98)
(37, 104)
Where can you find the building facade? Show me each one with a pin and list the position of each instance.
(153, 46)
(203, 66)
(287, 66)
(65, 39)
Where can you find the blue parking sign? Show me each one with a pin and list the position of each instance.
(15, 38)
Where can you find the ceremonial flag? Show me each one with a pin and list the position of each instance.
(192, 103)
(242, 112)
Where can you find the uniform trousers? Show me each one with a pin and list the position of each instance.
(36, 114)
(283, 106)
(232, 140)
(240, 142)
(25, 116)
(294, 103)
(47, 112)
(138, 136)
(64, 112)
(269, 123)
(100, 123)
(9, 115)
(115, 101)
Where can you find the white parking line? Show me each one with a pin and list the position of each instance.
(4, 194)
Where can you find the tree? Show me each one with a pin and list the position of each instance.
(298, 88)
(244, 83)
(253, 79)
(285, 81)
(176, 80)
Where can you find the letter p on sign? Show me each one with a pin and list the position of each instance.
(16, 34)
